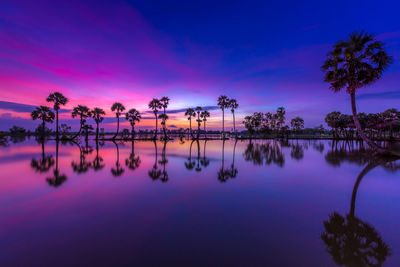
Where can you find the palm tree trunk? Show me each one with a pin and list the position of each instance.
(133, 132)
(116, 134)
(155, 134)
(43, 128)
(223, 124)
(165, 126)
(367, 168)
(198, 125)
(358, 126)
(234, 128)
(80, 129)
(97, 131)
(205, 133)
(56, 124)
(191, 132)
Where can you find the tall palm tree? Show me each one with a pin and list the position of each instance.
(198, 110)
(118, 108)
(97, 115)
(58, 99)
(190, 113)
(45, 114)
(82, 112)
(204, 115)
(233, 104)
(155, 105)
(223, 103)
(133, 116)
(164, 117)
(164, 102)
(355, 63)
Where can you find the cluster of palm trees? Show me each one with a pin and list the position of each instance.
(46, 115)
(381, 125)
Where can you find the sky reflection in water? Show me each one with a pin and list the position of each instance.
(303, 203)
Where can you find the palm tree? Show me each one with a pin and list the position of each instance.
(82, 112)
(98, 161)
(155, 105)
(97, 115)
(163, 162)
(118, 108)
(58, 99)
(164, 102)
(355, 63)
(45, 114)
(133, 116)
(204, 115)
(233, 104)
(198, 110)
(163, 117)
(223, 103)
(190, 113)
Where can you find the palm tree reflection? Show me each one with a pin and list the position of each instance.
(233, 171)
(189, 164)
(82, 166)
(204, 161)
(97, 163)
(265, 153)
(351, 241)
(297, 151)
(118, 170)
(133, 162)
(163, 162)
(57, 179)
(155, 173)
(223, 174)
(44, 163)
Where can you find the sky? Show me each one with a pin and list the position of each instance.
(266, 54)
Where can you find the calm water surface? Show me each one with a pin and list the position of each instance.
(299, 203)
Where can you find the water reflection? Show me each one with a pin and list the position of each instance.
(97, 163)
(133, 162)
(57, 179)
(265, 153)
(350, 240)
(44, 163)
(224, 174)
(118, 170)
(155, 172)
(189, 164)
(82, 166)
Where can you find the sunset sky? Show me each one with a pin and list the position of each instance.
(262, 53)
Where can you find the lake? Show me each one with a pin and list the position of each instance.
(265, 202)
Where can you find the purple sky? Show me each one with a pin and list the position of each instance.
(265, 54)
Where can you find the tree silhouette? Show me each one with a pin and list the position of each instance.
(44, 163)
(155, 105)
(97, 163)
(133, 162)
(189, 164)
(133, 116)
(204, 115)
(44, 114)
(233, 104)
(164, 102)
(349, 240)
(164, 117)
(57, 179)
(155, 173)
(355, 63)
(223, 103)
(163, 162)
(233, 171)
(59, 100)
(118, 170)
(204, 161)
(223, 174)
(118, 108)
(82, 112)
(190, 113)
(198, 110)
(97, 115)
(82, 166)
